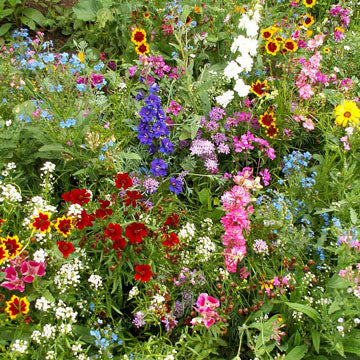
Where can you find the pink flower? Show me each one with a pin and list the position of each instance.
(174, 107)
(308, 124)
(132, 70)
(244, 274)
(14, 283)
(206, 301)
(31, 269)
(266, 177)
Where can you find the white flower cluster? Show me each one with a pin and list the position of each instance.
(247, 47)
(133, 292)
(95, 281)
(50, 355)
(205, 248)
(187, 232)
(297, 315)
(47, 177)
(9, 194)
(260, 247)
(74, 210)
(19, 346)
(40, 255)
(9, 169)
(48, 333)
(43, 305)
(68, 275)
(78, 351)
(208, 225)
(63, 312)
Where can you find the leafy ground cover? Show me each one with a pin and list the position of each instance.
(180, 180)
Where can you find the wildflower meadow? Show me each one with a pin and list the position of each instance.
(179, 180)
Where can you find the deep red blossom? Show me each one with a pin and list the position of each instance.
(132, 196)
(86, 220)
(170, 240)
(123, 181)
(119, 243)
(77, 196)
(172, 221)
(103, 212)
(65, 248)
(113, 231)
(144, 273)
(135, 232)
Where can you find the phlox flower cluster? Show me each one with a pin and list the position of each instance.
(205, 306)
(341, 15)
(236, 204)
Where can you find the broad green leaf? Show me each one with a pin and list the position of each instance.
(315, 335)
(5, 28)
(54, 147)
(204, 196)
(336, 282)
(309, 311)
(86, 10)
(129, 155)
(297, 353)
(35, 15)
(353, 216)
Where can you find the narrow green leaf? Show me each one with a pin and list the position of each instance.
(297, 353)
(315, 335)
(309, 311)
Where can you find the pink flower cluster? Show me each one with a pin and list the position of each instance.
(206, 305)
(236, 204)
(247, 142)
(29, 270)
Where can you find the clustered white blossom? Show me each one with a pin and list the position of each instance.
(20, 346)
(260, 247)
(40, 255)
(78, 351)
(63, 312)
(133, 292)
(9, 194)
(205, 248)
(95, 281)
(187, 232)
(47, 177)
(48, 333)
(43, 305)
(74, 210)
(68, 275)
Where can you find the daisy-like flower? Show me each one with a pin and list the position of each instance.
(65, 248)
(41, 222)
(271, 131)
(143, 273)
(138, 36)
(326, 50)
(12, 245)
(146, 14)
(347, 112)
(267, 33)
(81, 56)
(142, 49)
(290, 45)
(17, 306)
(4, 254)
(64, 225)
(272, 47)
(259, 87)
(267, 119)
(309, 3)
(308, 20)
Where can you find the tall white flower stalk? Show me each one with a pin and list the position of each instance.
(244, 48)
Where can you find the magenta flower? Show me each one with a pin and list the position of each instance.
(31, 269)
(174, 107)
(14, 283)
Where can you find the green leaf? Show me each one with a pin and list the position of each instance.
(297, 353)
(309, 311)
(353, 216)
(204, 196)
(86, 10)
(129, 155)
(336, 282)
(5, 28)
(35, 15)
(315, 335)
(53, 147)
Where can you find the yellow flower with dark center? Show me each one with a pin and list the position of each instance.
(267, 33)
(142, 49)
(138, 36)
(326, 50)
(290, 45)
(309, 3)
(272, 47)
(146, 14)
(346, 113)
(12, 244)
(267, 119)
(4, 254)
(64, 225)
(259, 88)
(17, 306)
(308, 20)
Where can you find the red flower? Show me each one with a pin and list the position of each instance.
(113, 231)
(171, 240)
(86, 220)
(135, 232)
(64, 225)
(65, 248)
(103, 212)
(172, 221)
(123, 181)
(77, 196)
(42, 222)
(16, 306)
(144, 273)
(12, 244)
(132, 197)
(119, 243)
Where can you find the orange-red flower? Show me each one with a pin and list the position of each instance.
(42, 222)
(144, 273)
(123, 181)
(135, 232)
(65, 248)
(12, 245)
(17, 306)
(272, 131)
(77, 196)
(64, 225)
(259, 87)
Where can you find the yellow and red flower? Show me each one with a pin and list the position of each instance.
(326, 50)
(290, 45)
(308, 20)
(4, 254)
(42, 222)
(197, 9)
(309, 3)
(272, 47)
(64, 225)
(17, 306)
(138, 36)
(12, 245)
(259, 88)
(267, 33)
(146, 14)
(142, 49)
(271, 131)
(267, 119)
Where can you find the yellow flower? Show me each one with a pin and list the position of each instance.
(16, 306)
(347, 112)
(138, 36)
(267, 33)
(309, 3)
(339, 29)
(4, 253)
(308, 20)
(142, 49)
(81, 56)
(272, 47)
(290, 45)
(326, 50)
(64, 225)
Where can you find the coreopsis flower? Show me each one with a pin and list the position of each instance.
(172, 220)
(144, 273)
(41, 222)
(131, 198)
(85, 220)
(308, 20)
(4, 254)
(12, 244)
(123, 181)
(309, 3)
(77, 196)
(271, 131)
(170, 240)
(272, 47)
(267, 33)
(17, 306)
(64, 225)
(103, 212)
(113, 231)
(142, 49)
(259, 87)
(347, 112)
(138, 36)
(267, 119)
(290, 45)
(66, 248)
(135, 232)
